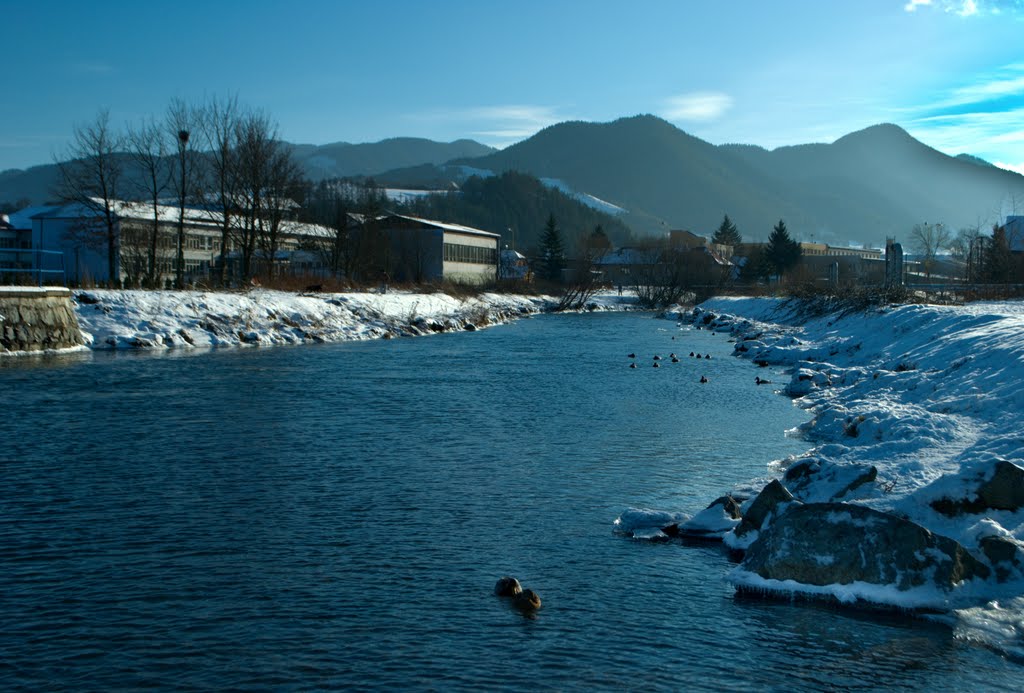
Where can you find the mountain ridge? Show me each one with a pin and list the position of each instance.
(865, 186)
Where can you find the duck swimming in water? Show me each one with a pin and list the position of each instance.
(703, 379)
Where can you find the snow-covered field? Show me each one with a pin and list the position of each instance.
(916, 411)
(112, 319)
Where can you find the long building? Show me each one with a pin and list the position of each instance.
(68, 239)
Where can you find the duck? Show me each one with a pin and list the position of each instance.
(707, 356)
(675, 360)
(657, 358)
(632, 365)
(703, 379)
(761, 381)
(699, 356)
(657, 365)
(630, 355)
(691, 354)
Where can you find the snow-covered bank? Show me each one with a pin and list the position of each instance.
(112, 319)
(913, 495)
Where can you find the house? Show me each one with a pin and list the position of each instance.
(423, 250)
(513, 265)
(20, 258)
(406, 248)
(75, 234)
(696, 263)
(1014, 227)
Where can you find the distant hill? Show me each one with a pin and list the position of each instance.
(517, 206)
(867, 185)
(342, 160)
(317, 161)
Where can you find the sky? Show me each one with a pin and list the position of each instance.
(950, 72)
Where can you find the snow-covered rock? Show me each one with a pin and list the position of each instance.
(821, 544)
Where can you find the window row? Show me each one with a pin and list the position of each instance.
(454, 252)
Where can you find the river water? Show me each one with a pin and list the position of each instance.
(335, 516)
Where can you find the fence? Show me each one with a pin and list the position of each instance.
(32, 263)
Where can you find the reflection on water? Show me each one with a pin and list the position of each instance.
(336, 516)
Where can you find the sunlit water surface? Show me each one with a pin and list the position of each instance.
(335, 516)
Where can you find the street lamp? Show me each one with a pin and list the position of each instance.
(180, 274)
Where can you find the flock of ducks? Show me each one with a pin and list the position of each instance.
(673, 357)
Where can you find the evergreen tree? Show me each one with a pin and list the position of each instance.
(998, 260)
(727, 233)
(598, 240)
(782, 252)
(551, 251)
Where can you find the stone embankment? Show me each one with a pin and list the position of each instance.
(37, 319)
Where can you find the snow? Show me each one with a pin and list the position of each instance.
(585, 198)
(407, 195)
(112, 319)
(929, 395)
(131, 319)
(642, 523)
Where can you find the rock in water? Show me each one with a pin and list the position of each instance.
(507, 587)
(527, 600)
(840, 543)
(771, 496)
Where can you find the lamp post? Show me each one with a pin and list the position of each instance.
(180, 274)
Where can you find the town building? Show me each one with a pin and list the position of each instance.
(66, 243)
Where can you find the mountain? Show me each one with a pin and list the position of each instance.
(337, 160)
(517, 205)
(863, 187)
(342, 160)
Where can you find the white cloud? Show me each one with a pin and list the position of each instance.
(1016, 168)
(968, 8)
(700, 106)
(498, 126)
(91, 68)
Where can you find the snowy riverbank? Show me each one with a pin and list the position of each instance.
(912, 496)
(128, 319)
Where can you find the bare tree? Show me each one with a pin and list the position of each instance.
(255, 150)
(90, 176)
(220, 127)
(928, 240)
(283, 183)
(147, 147)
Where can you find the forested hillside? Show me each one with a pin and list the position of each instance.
(517, 206)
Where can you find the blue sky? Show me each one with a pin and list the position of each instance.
(951, 72)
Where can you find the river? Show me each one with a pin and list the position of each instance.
(335, 516)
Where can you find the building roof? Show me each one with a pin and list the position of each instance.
(167, 214)
(630, 256)
(22, 219)
(459, 228)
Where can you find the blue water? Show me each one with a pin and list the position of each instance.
(335, 516)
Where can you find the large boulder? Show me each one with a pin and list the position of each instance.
(814, 480)
(1000, 488)
(1005, 554)
(840, 543)
(765, 504)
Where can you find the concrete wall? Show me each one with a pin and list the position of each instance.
(36, 319)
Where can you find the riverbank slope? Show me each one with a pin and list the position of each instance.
(913, 494)
(129, 319)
